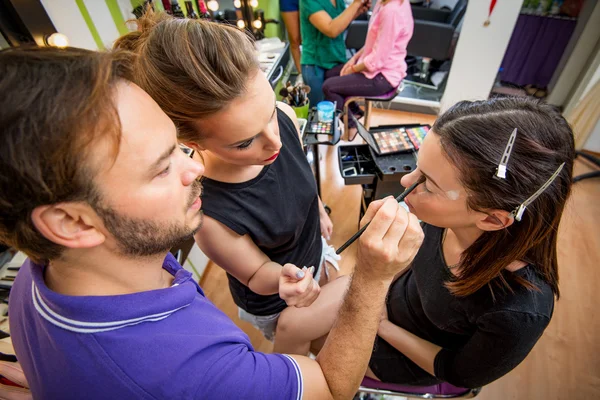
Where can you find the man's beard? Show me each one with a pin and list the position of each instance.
(140, 237)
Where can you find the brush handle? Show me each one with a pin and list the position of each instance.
(360, 232)
(352, 239)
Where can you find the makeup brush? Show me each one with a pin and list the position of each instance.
(360, 232)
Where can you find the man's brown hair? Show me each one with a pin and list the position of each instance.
(191, 68)
(54, 105)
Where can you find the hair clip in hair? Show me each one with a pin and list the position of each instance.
(501, 170)
(517, 213)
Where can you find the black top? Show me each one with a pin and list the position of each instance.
(278, 209)
(481, 339)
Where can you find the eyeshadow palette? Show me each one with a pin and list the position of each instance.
(393, 141)
(317, 127)
(417, 135)
(321, 127)
(318, 132)
(385, 140)
(400, 139)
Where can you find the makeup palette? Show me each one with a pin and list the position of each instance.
(393, 139)
(417, 135)
(321, 127)
(319, 132)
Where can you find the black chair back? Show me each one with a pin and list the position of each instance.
(457, 13)
(357, 35)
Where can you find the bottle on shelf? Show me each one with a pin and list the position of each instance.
(167, 6)
(190, 10)
(203, 10)
(176, 10)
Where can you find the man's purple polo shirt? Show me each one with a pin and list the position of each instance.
(169, 343)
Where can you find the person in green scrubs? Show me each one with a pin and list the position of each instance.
(322, 23)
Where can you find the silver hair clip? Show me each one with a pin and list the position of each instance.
(501, 170)
(517, 213)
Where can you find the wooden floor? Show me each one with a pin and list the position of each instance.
(565, 364)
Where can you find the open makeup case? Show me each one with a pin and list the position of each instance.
(316, 132)
(390, 153)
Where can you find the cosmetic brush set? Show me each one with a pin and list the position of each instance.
(295, 95)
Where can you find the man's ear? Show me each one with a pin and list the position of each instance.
(72, 225)
(494, 220)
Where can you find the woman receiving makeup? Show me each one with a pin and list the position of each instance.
(493, 179)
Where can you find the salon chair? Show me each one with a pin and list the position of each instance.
(355, 40)
(593, 159)
(439, 391)
(356, 34)
(434, 37)
(442, 15)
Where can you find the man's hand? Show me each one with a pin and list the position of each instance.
(390, 242)
(386, 247)
(297, 287)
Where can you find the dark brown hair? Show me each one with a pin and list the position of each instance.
(473, 136)
(191, 68)
(54, 105)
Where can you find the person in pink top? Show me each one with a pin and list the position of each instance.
(379, 66)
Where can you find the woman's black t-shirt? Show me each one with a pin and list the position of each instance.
(482, 338)
(278, 209)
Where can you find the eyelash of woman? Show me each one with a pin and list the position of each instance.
(245, 145)
(425, 186)
(248, 143)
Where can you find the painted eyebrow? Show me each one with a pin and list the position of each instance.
(432, 181)
(255, 136)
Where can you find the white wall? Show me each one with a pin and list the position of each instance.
(67, 19)
(480, 51)
(105, 25)
(126, 8)
(595, 78)
(564, 89)
(587, 79)
(593, 142)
